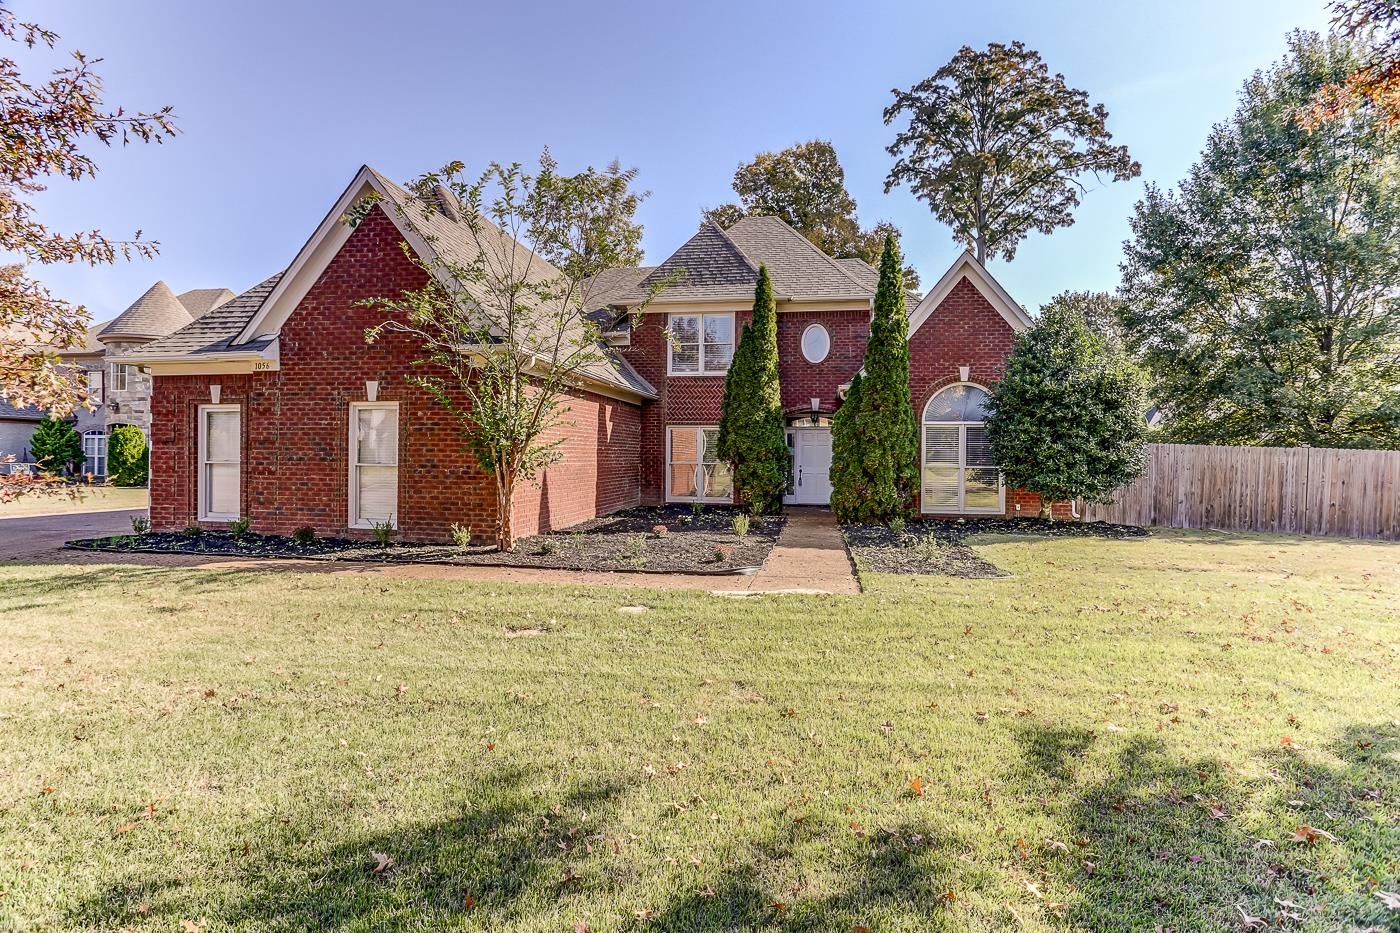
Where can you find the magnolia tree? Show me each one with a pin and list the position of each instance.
(501, 323)
(1066, 420)
(47, 126)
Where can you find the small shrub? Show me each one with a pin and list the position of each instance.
(898, 524)
(193, 531)
(304, 535)
(741, 525)
(461, 535)
(128, 460)
(140, 525)
(546, 547)
(239, 527)
(723, 552)
(660, 530)
(697, 509)
(384, 532)
(639, 550)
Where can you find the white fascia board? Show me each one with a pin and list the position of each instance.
(967, 265)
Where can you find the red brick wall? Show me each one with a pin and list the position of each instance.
(296, 423)
(965, 330)
(803, 381)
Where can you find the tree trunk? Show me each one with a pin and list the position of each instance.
(1045, 512)
(981, 250)
(505, 499)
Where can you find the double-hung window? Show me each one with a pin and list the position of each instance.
(220, 462)
(694, 472)
(374, 463)
(121, 374)
(94, 386)
(700, 344)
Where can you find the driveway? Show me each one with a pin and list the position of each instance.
(41, 537)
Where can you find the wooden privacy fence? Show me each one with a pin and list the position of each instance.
(1301, 490)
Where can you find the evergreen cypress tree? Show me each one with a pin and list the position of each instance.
(56, 446)
(752, 434)
(876, 470)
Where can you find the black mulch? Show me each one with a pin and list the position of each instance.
(624, 541)
(940, 546)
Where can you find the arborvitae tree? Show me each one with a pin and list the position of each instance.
(847, 475)
(879, 470)
(127, 456)
(752, 435)
(1066, 419)
(57, 448)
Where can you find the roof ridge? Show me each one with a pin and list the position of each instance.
(831, 260)
(737, 248)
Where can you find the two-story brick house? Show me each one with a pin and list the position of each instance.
(273, 407)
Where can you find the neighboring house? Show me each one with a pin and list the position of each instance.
(17, 426)
(120, 393)
(273, 407)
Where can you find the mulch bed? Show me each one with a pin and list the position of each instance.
(623, 541)
(939, 547)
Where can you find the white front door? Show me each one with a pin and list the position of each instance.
(811, 466)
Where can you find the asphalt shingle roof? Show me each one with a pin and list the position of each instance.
(200, 301)
(215, 331)
(10, 412)
(156, 313)
(798, 268)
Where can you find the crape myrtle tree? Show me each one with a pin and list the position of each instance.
(501, 322)
(1066, 420)
(997, 147)
(805, 186)
(752, 432)
(875, 439)
(1261, 295)
(49, 127)
(57, 447)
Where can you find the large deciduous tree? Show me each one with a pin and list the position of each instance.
(752, 432)
(48, 127)
(875, 465)
(997, 147)
(805, 185)
(1066, 420)
(505, 337)
(1262, 293)
(1375, 81)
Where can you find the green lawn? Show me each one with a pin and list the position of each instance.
(66, 499)
(1117, 736)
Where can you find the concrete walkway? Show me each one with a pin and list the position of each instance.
(810, 557)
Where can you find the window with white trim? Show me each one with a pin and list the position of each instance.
(121, 376)
(95, 453)
(816, 343)
(220, 462)
(694, 472)
(700, 344)
(94, 386)
(959, 474)
(374, 463)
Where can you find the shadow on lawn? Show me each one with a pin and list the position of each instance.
(1176, 844)
(512, 850)
(51, 590)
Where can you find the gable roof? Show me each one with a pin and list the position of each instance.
(717, 264)
(214, 331)
(200, 301)
(250, 323)
(156, 313)
(967, 266)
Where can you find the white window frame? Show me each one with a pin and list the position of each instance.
(95, 384)
(698, 429)
(352, 517)
(121, 375)
(202, 489)
(700, 316)
(962, 426)
(802, 343)
(95, 436)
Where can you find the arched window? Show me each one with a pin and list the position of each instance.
(958, 472)
(95, 453)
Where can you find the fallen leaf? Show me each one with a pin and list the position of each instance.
(1308, 835)
(1389, 899)
(143, 908)
(1250, 923)
(468, 902)
(916, 787)
(382, 862)
(126, 827)
(189, 926)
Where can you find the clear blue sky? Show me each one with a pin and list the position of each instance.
(280, 102)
